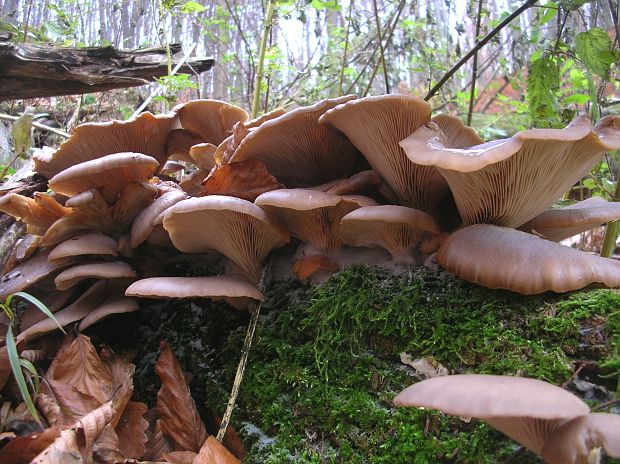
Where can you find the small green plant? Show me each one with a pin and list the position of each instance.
(172, 85)
(16, 363)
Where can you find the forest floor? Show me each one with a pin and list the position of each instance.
(328, 359)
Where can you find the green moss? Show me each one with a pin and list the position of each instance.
(325, 365)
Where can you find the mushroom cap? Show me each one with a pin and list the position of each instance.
(310, 215)
(561, 223)
(375, 125)
(179, 143)
(144, 134)
(455, 130)
(87, 244)
(115, 306)
(203, 155)
(103, 270)
(145, 221)
(498, 257)
(109, 174)
(397, 229)
(571, 443)
(212, 120)
(508, 182)
(527, 410)
(236, 292)
(171, 167)
(38, 212)
(297, 150)
(238, 229)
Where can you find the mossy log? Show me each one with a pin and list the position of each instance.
(33, 71)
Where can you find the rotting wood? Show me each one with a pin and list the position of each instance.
(33, 71)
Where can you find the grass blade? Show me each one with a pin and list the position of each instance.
(16, 368)
(40, 305)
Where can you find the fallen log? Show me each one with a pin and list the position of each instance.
(33, 71)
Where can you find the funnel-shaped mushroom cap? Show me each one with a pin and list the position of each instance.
(116, 306)
(497, 257)
(38, 213)
(236, 292)
(238, 229)
(558, 224)
(257, 121)
(572, 442)
(171, 167)
(103, 270)
(88, 244)
(527, 410)
(91, 212)
(212, 120)
(397, 229)
(144, 223)
(297, 150)
(145, 134)
(310, 215)
(375, 125)
(109, 174)
(456, 131)
(203, 155)
(508, 182)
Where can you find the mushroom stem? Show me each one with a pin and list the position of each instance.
(254, 310)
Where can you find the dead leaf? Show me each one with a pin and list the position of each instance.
(90, 427)
(180, 420)
(63, 450)
(5, 367)
(158, 444)
(48, 407)
(223, 156)
(131, 430)
(246, 179)
(308, 265)
(426, 366)
(180, 457)
(213, 452)
(122, 381)
(231, 440)
(25, 449)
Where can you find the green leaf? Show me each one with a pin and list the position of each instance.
(192, 7)
(38, 303)
(543, 81)
(549, 12)
(594, 49)
(16, 368)
(325, 5)
(573, 4)
(33, 370)
(578, 98)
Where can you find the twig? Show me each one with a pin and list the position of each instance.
(346, 48)
(574, 376)
(477, 47)
(38, 125)
(245, 351)
(261, 59)
(381, 49)
(606, 404)
(158, 89)
(474, 73)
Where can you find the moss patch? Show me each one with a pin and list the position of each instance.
(325, 365)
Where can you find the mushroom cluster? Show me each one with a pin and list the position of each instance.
(548, 420)
(343, 173)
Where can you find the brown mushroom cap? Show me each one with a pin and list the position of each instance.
(212, 120)
(508, 182)
(115, 306)
(109, 174)
(375, 125)
(498, 257)
(103, 270)
(561, 223)
(145, 221)
(456, 131)
(203, 155)
(144, 134)
(397, 229)
(527, 410)
(297, 150)
(236, 292)
(238, 229)
(179, 143)
(87, 244)
(38, 212)
(571, 443)
(310, 215)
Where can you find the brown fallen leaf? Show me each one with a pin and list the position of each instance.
(213, 452)
(49, 408)
(231, 440)
(158, 444)
(22, 450)
(180, 457)
(131, 430)
(225, 150)
(308, 265)
(180, 421)
(64, 449)
(5, 367)
(246, 179)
